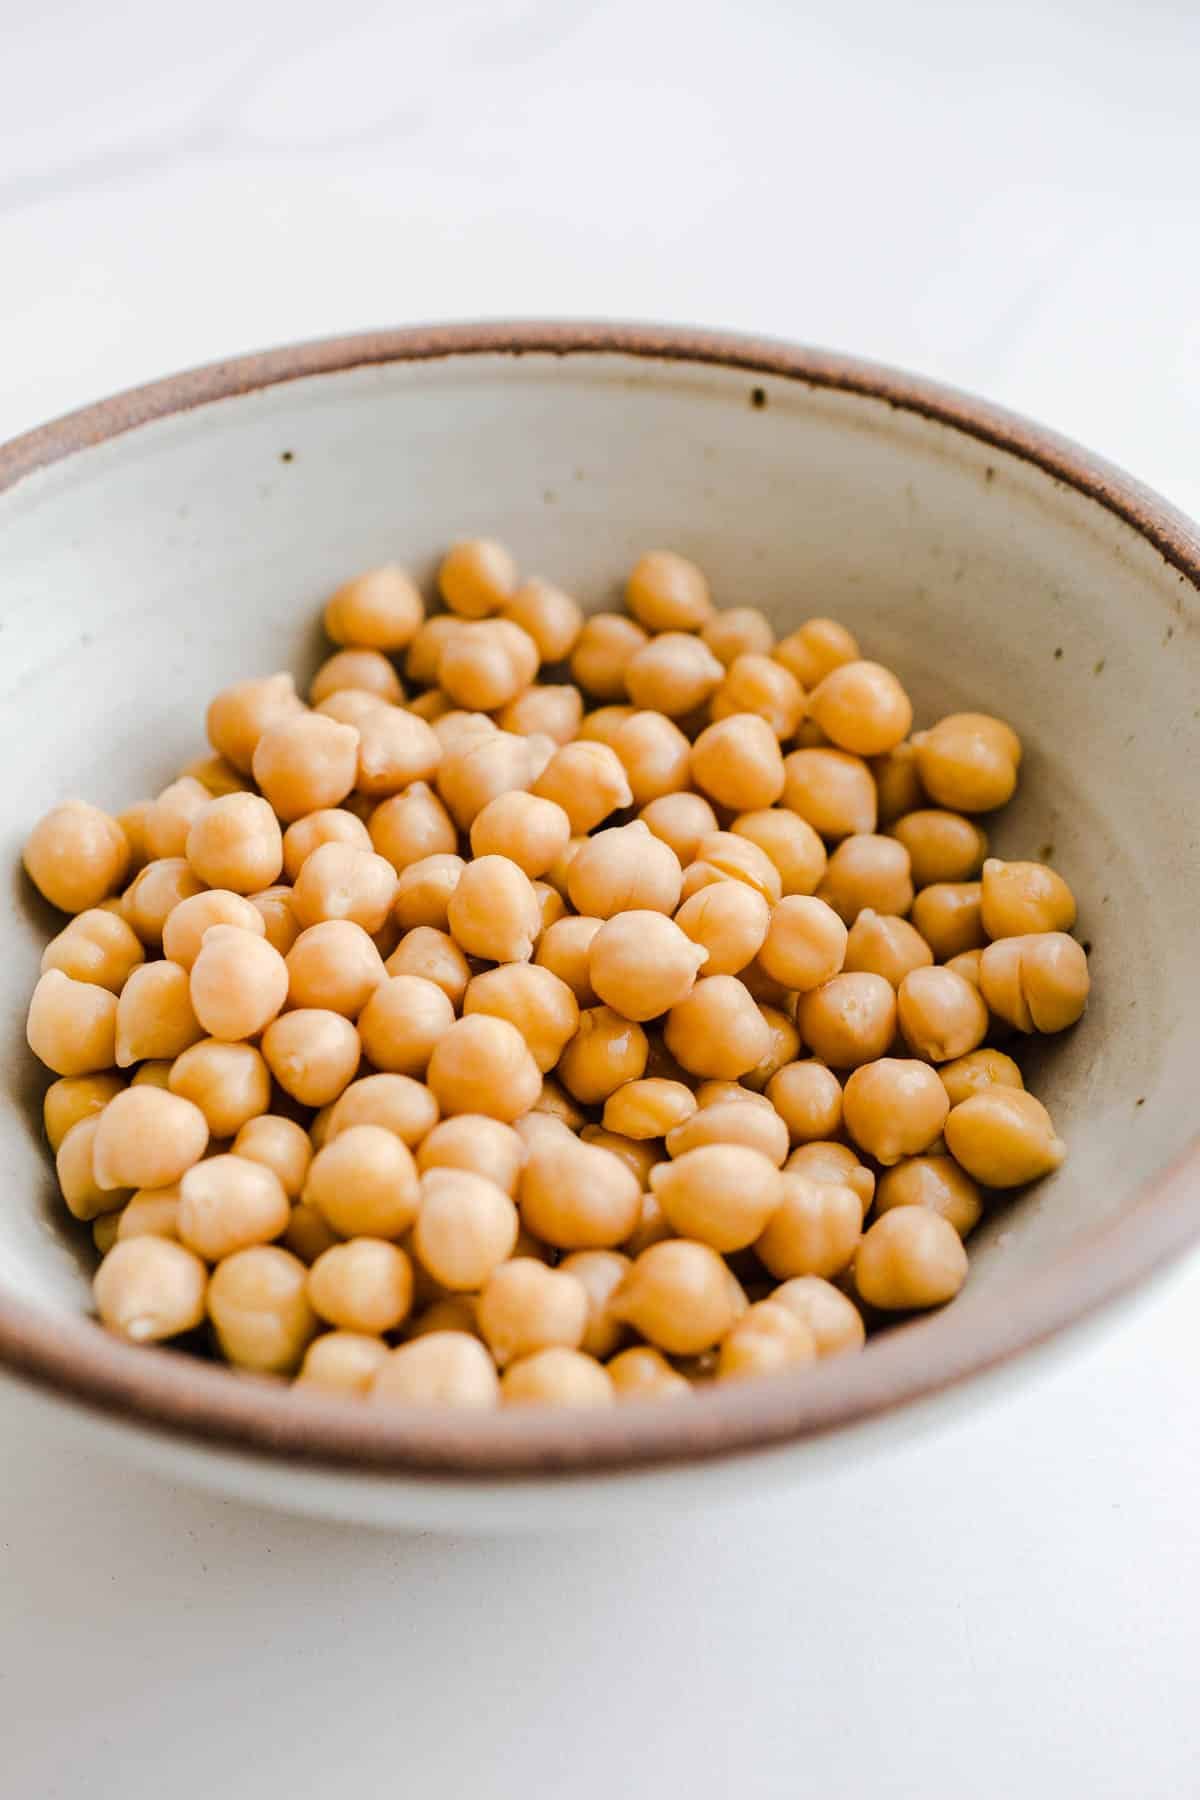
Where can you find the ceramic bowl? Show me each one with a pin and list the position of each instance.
(159, 545)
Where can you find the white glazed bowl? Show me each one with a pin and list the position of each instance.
(155, 547)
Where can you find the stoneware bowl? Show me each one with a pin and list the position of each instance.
(159, 545)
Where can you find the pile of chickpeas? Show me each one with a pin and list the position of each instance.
(553, 1009)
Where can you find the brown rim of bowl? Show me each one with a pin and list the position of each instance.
(206, 1404)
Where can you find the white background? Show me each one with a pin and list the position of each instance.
(1002, 196)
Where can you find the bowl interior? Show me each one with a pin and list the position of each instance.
(142, 574)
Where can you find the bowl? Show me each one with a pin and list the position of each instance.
(165, 542)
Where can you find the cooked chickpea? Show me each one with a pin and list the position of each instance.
(622, 869)
(169, 818)
(364, 671)
(680, 821)
(96, 946)
(834, 1320)
(152, 1212)
(717, 1031)
(606, 1051)
(1018, 899)
(791, 844)
(729, 920)
(643, 1373)
(432, 955)
(343, 1362)
(948, 916)
(552, 618)
(602, 725)
(155, 1014)
(477, 577)
(228, 1203)
(523, 829)
(364, 1286)
(738, 631)
(402, 1022)
(861, 707)
(239, 715)
(894, 1108)
(831, 790)
(674, 674)
(765, 1339)
(76, 1097)
(941, 1016)
(649, 1108)
(897, 783)
(880, 944)
(681, 1296)
(868, 871)
(493, 911)
(666, 592)
(483, 1065)
(814, 1230)
(967, 964)
(834, 1165)
(407, 827)
(281, 927)
(487, 663)
(762, 687)
(75, 1166)
(442, 1368)
(477, 1146)
(132, 822)
(312, 1053)
(603, 652)
(651, 1228)
(980, 1069)
(553, 906)
(556, 1377)
(378, 610)
(721, 1193)
(76, 856)
(239, 983)
(805, 943)
(426, 645)
(808, 1099)
(156, 1073)
(556, 874)
(453, 1312)
(942, 846)
(424, 891)
(281, 1146)
(849, 1020)
(968, 762)
(641, 964)
(655, 755)
(565, 949)
(230, 1083)
(395, 748)
(785, 1047)
(306, 762)
(637, 1155)
(155, 892)
(217, 775)
(935, 1182)
(349, 706)
(537, 1002)
(234, 842)
(525, 1307)
(334, 965)
(344, 882)
(185, 925)
(149, 1288)
(910, 1258)
(465, 1229)
(363, 1182)
(816, 648)
(588, 781)
(258, 1303)
(1003, 1137)
(1035, 983)
(396, 1102)
(556, 711)
(307, 1233)
(737, 762)
(578, 1196)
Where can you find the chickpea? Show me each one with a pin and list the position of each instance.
(790, 843)
(281, 1146)
(648, 1109)
(868, 871)
(606, 1051)
(216, 775)
(239, 715)
(643, 1373)
(363, 670)
(623, 869)
(674, 674)
(578, 1196)
(155, 1013)
(717, 1031)
(487, 663)
(552, 618)
(476, 1145)
(169, 817)
(259, 1307)
(935, 1182)
(538, 1127)
(556, 711)
(402, 1022)
(334, 965)
(556, 874)
(433, 956)
(588, 781)
(312, 1053)
(765, 1339)
(155, 1073)
(424, 891)
(968, 762)
(758, 685)
(523, 829)
(97, 947)
(556, 1377)
(454, 1312)
(895, 1108)
(306, 762)
(897, 784)
(483, 1065)
(1003, 1137)
(651, 1228)
(228, 1203)
(942, 846)
(344, 882)
(602, 725)
(307, 1234)
(941, 1015)
(723, 1191)
(808, 1099)
(680, 821)
(239, 983)
(343, 1362)
(834, 1320)
(148, 1289)
(967, 965)
(814, 1230)
(1035, 983)
(815, 649)
(477, 577)
(185, 925)
(443, 1368)
(880, 944)
(156, 891)
(235, 843)
(537, 1002)
(396, 1102)
(729, 920)
(1018, 899)
(641, 964)
(738, 631)
(805, 943)
(910, 1258)
(395, 748)
(525, 1307)
(565, 949)
(152, 1212)
(133, 829)
(978, 1070)
(363, 1182)
(680, 1296)
(364, 1286)
(834, 1165)
(861, 707)
(737, 762)
(848, 1021)
(785, 1047)
(281, 927)
(75, 1166)
(553, 906)
(638, 1156)
(230, 1083)
(378, 610)
(666, 592)
(349, 706)
(724, 856)
(602, 654)
(73, 1098)
(426, 645)
(466, 1228)
(832, 790)
(948, 916)
(76, 856)
(493, 911)
(655, 755)
(408, 827)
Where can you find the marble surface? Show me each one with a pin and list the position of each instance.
(1002, 197)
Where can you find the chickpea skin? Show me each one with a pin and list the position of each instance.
(578, 1196)
(378, 610)
(910, 1258)
(848, 1021)
(483, 1065)
(1018, 899)
(148, 1289)
(239, 715)
(525, 1307)
(1003, 1137)
(398, 1103)
(444, 1368)
(76, 856)
(894, 1108)
(433, 956)
(259, 1307)
(834, 1164)
(238, 983)
(814, 1230)
(718, 1031)
(155, 1015)
(554, 710)
(941, 1015)
(738, 631)
(494, 912)
(832, 790)
(680, 1296)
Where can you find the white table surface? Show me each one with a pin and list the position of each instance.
(990, 194)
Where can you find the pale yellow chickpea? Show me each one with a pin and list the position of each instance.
(805, 943)
(454, 1312)
(487, 663)
(349, 706)
(654, 753)
(602, 725)
(363, 1182)
(378, 610)
(75, 1166)
(758, 684)
(738, 764)
(648, 1108)
(832, 790)
(132, 822)
(638, 1156)
(834, 1165)
(623, 869)
(156, 1014)
(466, 1227)
(849, 1020)
(880, 944)
(556, 1377)
(911, 1258)
(185, 925)
(235, 843)
(75, 1097)
(477, 1146)
(729, 920)
(396, 1102)
(808, 1099)
(554, 710)
(607, 1051)
(643, 1373)
(949, 917)
(1018, 899)
(426, 645)
(493, 911)
(720, 1193)
(230, 1083)
(281, 927)
(433, 956)
(717, 1031)
(680, 1296)
(652, 1227)
(95, 946)
(328, 825)
(588, 781)
(565, 949)
(642, 963)
(766, 1339)
(477, 577)
(345, 882)
(364, 671)
(76, 856)
(537, 1002)
(408, 827)
(239, 715)
(970, 1074)
(815, 648)
(578, 1196)
(525, 1307)
(343, 1362)
(334, 965)
(681, 821)
(674, 674)
(814, 1230)
(1035, 983)
(155, 892)
(526, 830)
(897, 783)
(402, 1022)
(666, 592)
(1003, 1137)
(935, 1182)
(738, 631)
(861, 707)
(602, 654)
(868, 871)
(238, 983)
(170, 816)
(483, 1065)
(440, 1368)
(281, 1146)
(942, 846)
(364, 1286)
(395, 748)
(941, 1016)
(551, 617)
(312, 1053)
(227, 1203)
(152, 1212)
(306, 762)
(258, 1303)
(894, 1108)
(149, 1289)
(791, 844)
(834, 1320)
(968, 762)
(217, 775)
(424, 890)
(155, 1073)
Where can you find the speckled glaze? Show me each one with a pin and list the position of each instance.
(160, 544)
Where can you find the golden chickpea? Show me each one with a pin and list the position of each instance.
(363, 1182)
(603, 652)
(1035, 983)
(606, 1051)
(396, 1102)
(363, 671)
(565, 949)
(281, 927)
(156, 1073)
(723, 1191)
(880, 944)
(230, 1083)
(343, 1362)
(281, 1146)
(424, 891)
(476, 1145)
(861, 707)
(980, 1069)
(556, 874)
(344, 882)
(578, 1196)
(133, 829)
(791, 844)
(717, 1031)
(364, 1286)
(426, 645)
(466, 1228)
(156, 891)
(968, 762)
(442, 1368)
(239, 983)
(307, 1234)
(737, 762)
(834, 1320)
(408, 827)
(831, 790)
(643, 1373)
(1003, 1137)
(556, 711)
(849, 1020)
(73, 1098)
(680, 1296)
(655, 755)
(526, 830)
(942, 846)
(967, 965)
(454, 1312)
(556, 1377)
(666, 592)
(640, 1157)
(785, 1047)
(680, 821)
(552, 618)
(766, 1339)
(349, 706)
(808, 1099)
(941, 1015)
(95, 946)
(602, 725)
(1021, 898)
(623, 869)
(738, 631)
(723, 856)
(651, 1228)
(537, 1002)
(76, 856)
(312, 1053)
(760, 686)
(433, 956)
(819, 646)
(935, 1182)
(218, 776)
(553, 906)
(948, 916)
(239, 715)
(75, 1166)
(306, 762)
(185, 925)
(525, 1307)
(477, 577)
(483, 1065)
(674, 674)
(910, 1258)
(805, 943)
(148, 1289)
(493, 911)
(152, 1212)
(259, 1307)
(334, 965)
(649, 1108)
(156, 1014)
(894, 1108)
(378, 610)
(729, 920)
(171, 814)
(395, 748)
(487, 663)
(814, 1230)
(897, 783)
(834, 1165)
(588, 781)
(228, 1203)
(641, 964)
(235, 843)
(538, 1127)
(402, 1022)
(868, 871)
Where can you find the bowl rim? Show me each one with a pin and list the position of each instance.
(179, 1395)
